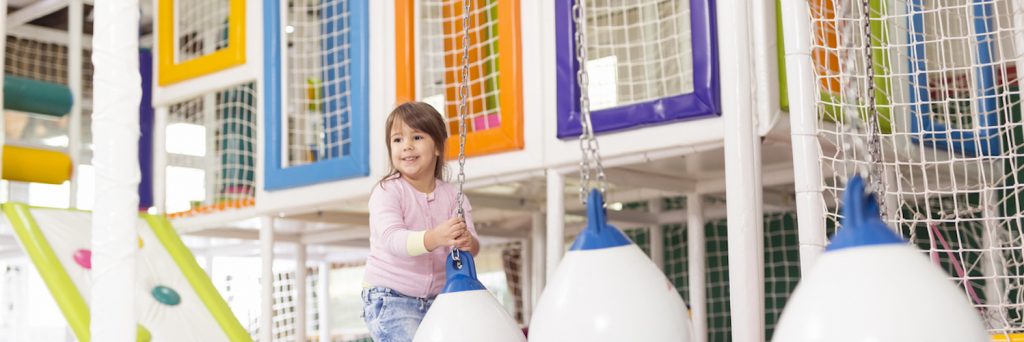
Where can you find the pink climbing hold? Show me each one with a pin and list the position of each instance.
(83, 257)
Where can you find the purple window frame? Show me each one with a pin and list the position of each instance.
(704, 101)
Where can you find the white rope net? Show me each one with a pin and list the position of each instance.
(200, 28)
(211, 152)
(319, 85)
(638, 51)
(439, 61)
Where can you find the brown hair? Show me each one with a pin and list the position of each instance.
(425, 118)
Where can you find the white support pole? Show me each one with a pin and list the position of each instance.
(212, 160)
(743, 171)
(803, 121)
(697, 267)
(300, 292)
(160, 159)
(537, 260)
(75, 9)
(556, 221)
(115, 128)
(657, 236)
(267, 278)
(324, 300)
(766, 66)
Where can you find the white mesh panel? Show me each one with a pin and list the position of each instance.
(638, 50)
(439, 61)
(319, 81)
(200, 28)
(211, 151)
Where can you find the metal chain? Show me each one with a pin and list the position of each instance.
(852, 97)
(463, 109)
(588, 144)
(874, 132)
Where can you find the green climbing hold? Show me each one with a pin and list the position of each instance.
(166, 295)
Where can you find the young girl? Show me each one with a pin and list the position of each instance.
(413, 224)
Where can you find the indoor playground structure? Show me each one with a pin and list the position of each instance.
(648, 170)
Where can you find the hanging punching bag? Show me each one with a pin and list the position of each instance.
(870, 285)
(465, 311)
(607, 289)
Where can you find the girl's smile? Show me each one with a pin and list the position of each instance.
(414, 153)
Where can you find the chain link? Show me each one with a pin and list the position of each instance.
(463, 110)
(855, 146)
(874, 131)
(588, 144)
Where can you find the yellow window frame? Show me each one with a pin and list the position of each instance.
(230, 56)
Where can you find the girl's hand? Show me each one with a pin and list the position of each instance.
(445, 234)
(467, 243)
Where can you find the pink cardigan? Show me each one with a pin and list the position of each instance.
(399, 216)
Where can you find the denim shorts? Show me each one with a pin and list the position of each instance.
(392, 316)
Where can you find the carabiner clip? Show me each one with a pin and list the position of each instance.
(455, 257)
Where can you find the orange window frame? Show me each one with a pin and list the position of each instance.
(508, 136)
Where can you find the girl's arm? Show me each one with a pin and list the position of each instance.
(387, 225)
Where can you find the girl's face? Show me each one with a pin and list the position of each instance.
(413, 153)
